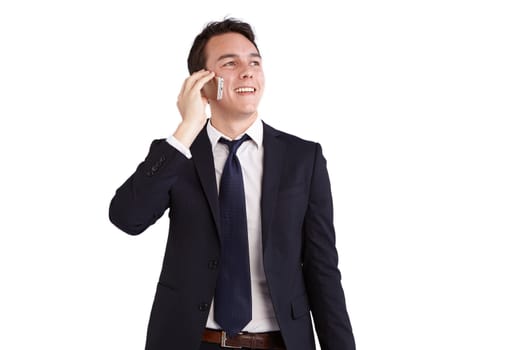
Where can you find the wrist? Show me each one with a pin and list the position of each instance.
(187, 131)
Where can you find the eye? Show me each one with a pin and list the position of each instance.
(255, 63)
(229, 64)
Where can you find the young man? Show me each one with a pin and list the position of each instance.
(251, 249)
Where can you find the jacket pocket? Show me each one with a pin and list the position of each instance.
(300, 306)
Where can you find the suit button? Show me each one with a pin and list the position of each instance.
(212, 264)
(204, 306)
(152, 170)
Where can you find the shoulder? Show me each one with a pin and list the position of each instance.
(287, 138)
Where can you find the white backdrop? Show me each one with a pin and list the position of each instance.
(419, 106)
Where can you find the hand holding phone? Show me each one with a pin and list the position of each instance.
(191, 102)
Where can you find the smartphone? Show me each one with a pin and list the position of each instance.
(214, 88)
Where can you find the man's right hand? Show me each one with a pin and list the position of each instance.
(192, 107)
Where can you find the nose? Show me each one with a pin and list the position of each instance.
(247, 72)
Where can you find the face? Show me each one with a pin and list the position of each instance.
(235, 59)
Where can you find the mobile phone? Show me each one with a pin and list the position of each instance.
(214, 88)
(220, 87)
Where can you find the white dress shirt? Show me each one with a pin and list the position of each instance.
(250, 154)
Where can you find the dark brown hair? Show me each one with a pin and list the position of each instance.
(197, 57)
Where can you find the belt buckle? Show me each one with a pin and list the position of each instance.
(223, 342)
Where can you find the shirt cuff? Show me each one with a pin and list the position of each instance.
(179, 146)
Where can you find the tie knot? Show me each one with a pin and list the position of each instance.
(234, 144)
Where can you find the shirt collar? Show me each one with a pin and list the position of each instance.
(255, 131)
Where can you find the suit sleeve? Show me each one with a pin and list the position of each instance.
(145, 195)
(320, 264)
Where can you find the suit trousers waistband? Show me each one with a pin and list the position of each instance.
(263, 341)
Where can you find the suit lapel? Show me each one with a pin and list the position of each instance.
(203, 159)
(272, 169)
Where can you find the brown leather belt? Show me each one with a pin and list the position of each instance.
(269, 340)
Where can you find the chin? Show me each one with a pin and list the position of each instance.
(249, 112)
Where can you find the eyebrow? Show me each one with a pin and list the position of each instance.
(231, 55)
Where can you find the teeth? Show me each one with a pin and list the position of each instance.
(245, 89)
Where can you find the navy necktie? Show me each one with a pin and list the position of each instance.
(233, 300)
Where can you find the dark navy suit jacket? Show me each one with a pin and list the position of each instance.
(299, 252)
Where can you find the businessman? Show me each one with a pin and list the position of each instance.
(250, 256)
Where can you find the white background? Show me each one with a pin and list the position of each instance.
(419, 106)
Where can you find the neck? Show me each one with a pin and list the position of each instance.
(231, 126)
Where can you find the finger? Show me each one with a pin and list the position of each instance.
(192, 79)
(189, 83)
(199, 83)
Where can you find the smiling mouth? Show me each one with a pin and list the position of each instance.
(245, 90)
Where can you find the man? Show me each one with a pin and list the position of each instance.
(251, 249)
